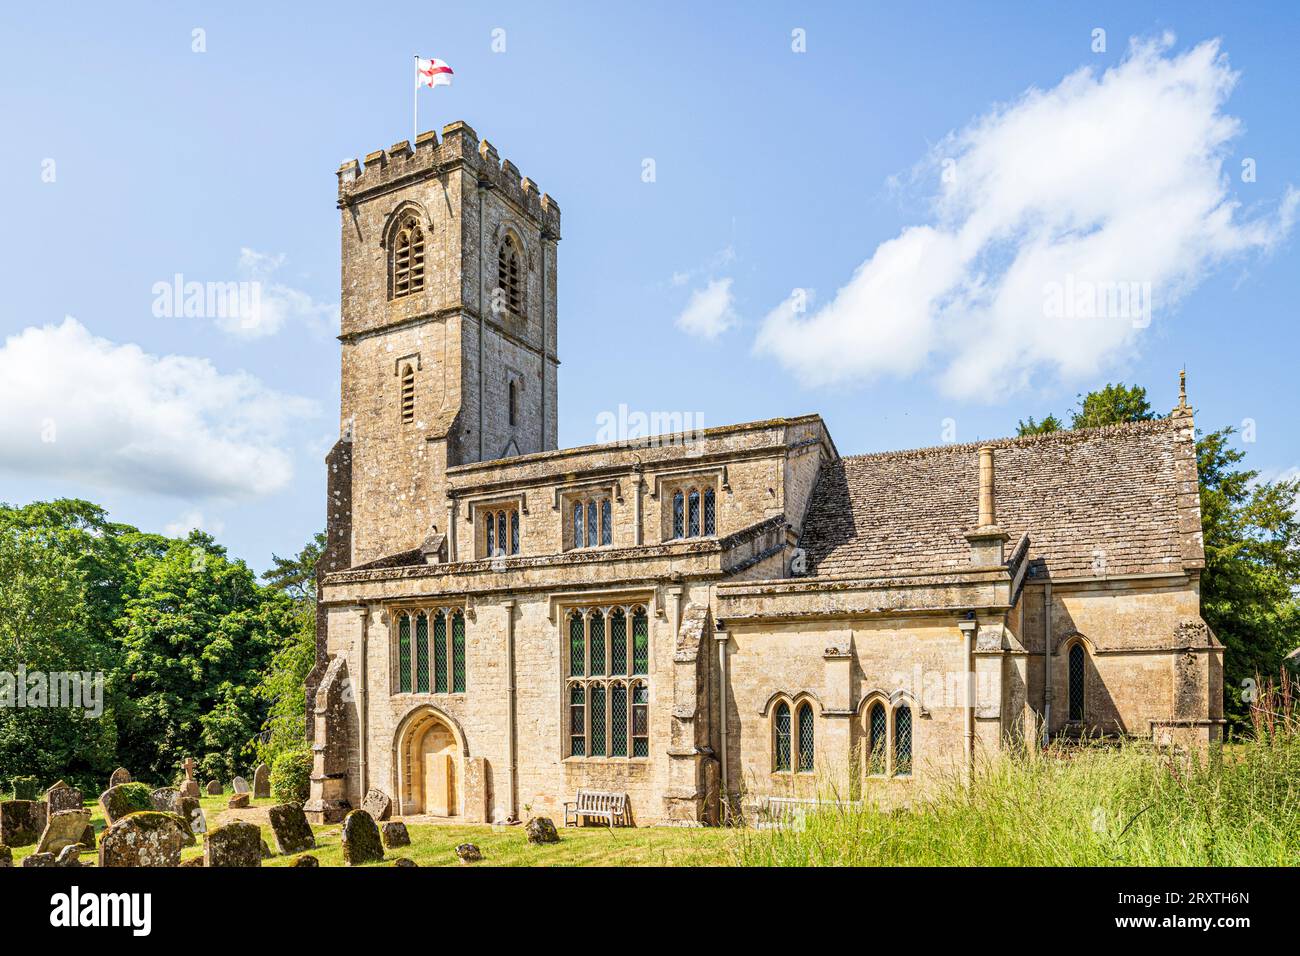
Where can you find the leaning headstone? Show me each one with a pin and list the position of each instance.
(237, 844)
(262, 782)
(70, 855)
(238, 801)
(117, 802)
(468, 853)
(6, 857)
(290, 829)
(377, 804)
(120, 775)
(306, 860)
(166, 800)
(41, 859)
(214, 788)
(240, 785)
(62, 797)
(361, 843)
(395, 834)
(26, 788)
(64, 828)
(147, 838)
(541, 830)
(21, 821)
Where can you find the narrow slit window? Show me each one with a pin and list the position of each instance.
(514, 405)
(1077, 661)
(408, 394)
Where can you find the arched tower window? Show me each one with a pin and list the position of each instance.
(1076, 687)
(510, 276)
(408, 260)
(408, 394)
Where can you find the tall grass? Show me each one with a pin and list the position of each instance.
(1094, 805)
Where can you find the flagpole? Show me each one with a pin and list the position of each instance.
(415, 101)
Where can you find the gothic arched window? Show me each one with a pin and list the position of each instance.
(408, 260)
(510, 276)
(877, 739)
(781, 737)
(805, 715)
(903, 741)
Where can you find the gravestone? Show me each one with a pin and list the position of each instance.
(304, 860)
(6, 856)
(62, 797)
(70, 855)
(238, 801)
(262, 782)
(120, 776)
(117, 802)
(240, 785)
(166, 800)
(214, 788)
(87, 840)
(290, 829)
(377, 804)
(237, 844)
(361, 843)
(395, 834)
(192, 813)
(26, 788)
(41, 859)
(468, 853)
(64, 828)
(190, 786)
(147, 838)
(404, 861)
(21, 821)
(541, 830)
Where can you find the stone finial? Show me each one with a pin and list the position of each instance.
(1182, 409)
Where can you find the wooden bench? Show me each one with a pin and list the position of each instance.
(610, 807)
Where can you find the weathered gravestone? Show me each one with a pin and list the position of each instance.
(70, 855)
(6, 856)
(361, 843)
(26, 788)
(377, 804)
(238, 801)
(166, 800)
(120, 776)
(262, 782)
(240, 785)
(62, 797)
(190, 786)
(306, 860)
(21, 821)
(541, 830)
(64, 828)
(193, 814)
(395, 834)
(214, 788)
(468, 853)
(147, 838)
(290, 829)
(125, 798)
(41, 859)
(235, 844)
(404, 861)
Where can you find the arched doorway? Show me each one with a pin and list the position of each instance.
(431, 763)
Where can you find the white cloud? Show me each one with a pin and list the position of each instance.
(1105, 179)
(194, 520)
(82, 408)
(275, 305)
(709, 312)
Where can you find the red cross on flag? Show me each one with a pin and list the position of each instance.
(432, 73)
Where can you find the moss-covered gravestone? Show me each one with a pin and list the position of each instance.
(290, 829)
(395, 834)
(146, 838)
(64, 828)
(166, 800)
(21, 821)
(238, 801)
(120, 776)
(541, 830)
(361, 843)
(235, 844)
(26, 788)
(63, 797)
(125, 798)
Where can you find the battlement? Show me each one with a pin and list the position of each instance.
(460, 148)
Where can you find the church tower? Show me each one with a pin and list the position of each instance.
(448, 333)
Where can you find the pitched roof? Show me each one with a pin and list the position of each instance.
(1123, 494)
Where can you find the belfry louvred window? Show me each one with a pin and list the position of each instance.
(408, 260)
(408, 394)
(610, 680)
(510, 276)
(422, 669)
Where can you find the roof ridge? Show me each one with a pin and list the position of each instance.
(1061, 436)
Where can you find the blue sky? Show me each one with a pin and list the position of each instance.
(774, 171)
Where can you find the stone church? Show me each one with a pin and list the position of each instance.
(710, 619)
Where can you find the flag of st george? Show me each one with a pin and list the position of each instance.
(432, 72)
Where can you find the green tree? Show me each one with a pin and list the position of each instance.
(297, 576)
(1112, 405)
(1049, 424)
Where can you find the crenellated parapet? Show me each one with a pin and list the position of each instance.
(460, 148)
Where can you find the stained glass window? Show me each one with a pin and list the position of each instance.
(440, 653)
(404, 654)
(878, 730)
(596, 642)
(640, 641)
(577, 648)
(618, 642)
(457, 653)
(1076, 682)
(693, 516)
(640, 720)
(709, 509)
(618, 720)
(679, 528)
(805, 738)
(903, 741)
(422, 654)
(577, 722)
(782, 742)
(597, 720)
